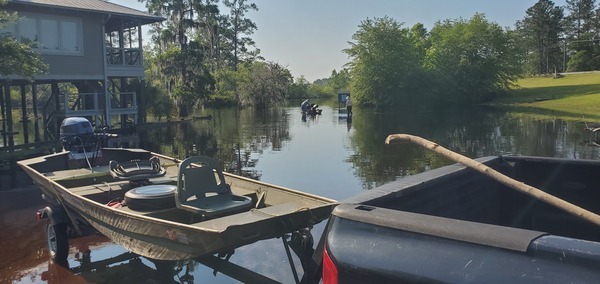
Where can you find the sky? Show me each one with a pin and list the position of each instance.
(308, 36)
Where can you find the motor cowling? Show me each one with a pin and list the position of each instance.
(77, 135)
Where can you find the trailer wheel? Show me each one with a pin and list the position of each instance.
(303, 238)
(58, 242)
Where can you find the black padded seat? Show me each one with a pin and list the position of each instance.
(137, 169)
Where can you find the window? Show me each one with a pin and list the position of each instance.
(52, 35)
(68, 39)
(28, 30)
(7, 31)
(49, 34)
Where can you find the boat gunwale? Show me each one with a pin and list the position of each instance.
(325, 201)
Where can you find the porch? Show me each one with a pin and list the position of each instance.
(29, 127)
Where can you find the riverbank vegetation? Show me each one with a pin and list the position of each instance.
(203, 54)
(474, 61)
(462, 61)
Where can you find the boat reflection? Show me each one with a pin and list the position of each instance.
(96, 259)
(126, 267)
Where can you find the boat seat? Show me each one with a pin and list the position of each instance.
(136, 169)
(199, 191)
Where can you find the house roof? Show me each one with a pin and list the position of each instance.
(95, 6)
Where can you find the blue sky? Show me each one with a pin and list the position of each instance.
(307, 36)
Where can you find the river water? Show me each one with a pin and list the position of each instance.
(327, 155)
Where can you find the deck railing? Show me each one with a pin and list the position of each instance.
(123, 103)
(82, 104)
(123, 56)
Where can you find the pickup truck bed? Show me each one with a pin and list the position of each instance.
(455, 225)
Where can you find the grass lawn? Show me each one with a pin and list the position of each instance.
(568, 97)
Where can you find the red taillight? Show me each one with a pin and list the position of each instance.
(330, 273)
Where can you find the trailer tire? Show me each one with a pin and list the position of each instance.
(58, 242)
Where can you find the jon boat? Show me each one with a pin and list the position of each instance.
(161, 207)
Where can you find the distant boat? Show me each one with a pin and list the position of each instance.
(313, 112)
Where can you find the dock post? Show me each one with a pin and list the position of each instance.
(56, 95)
(9, 122)
(24, 118)
(36, 125)
(2, 117)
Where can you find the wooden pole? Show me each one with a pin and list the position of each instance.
(34, 103)
(9, 118)
(58, 114)
(24, 114)
(3, 118)
(512, 183)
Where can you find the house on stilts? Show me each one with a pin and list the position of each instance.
(94, 52)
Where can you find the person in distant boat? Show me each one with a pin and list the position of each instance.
(304, 105)
(348, 105)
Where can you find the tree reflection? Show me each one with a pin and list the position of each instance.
(238, 138)
(232, 136)
(474, 132)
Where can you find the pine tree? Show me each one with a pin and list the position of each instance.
(542, 28)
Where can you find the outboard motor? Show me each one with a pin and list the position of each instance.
(77, 135)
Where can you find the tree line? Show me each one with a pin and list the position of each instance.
(204, 54)
(470, 60)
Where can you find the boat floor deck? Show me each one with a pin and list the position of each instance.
(110, 190)
(77, 173)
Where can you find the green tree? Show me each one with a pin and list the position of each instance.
(240, 26)
(263, 84)
(580, 35)
(319, 91)
(158, 101)
(187, 78)
(17, 58)
(475, 59)
(384, 61)
(582, 60)
(299, 89)
(580, 20)
(226, 85)
(209, 33)
(420, 38)
(541, 29)
(338, 81)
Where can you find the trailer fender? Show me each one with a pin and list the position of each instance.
(56, 214)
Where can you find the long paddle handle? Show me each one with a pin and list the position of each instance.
(517, 185)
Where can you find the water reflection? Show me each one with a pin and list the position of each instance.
(96, 259)
(282, 145)
(125, 267)
(115, 267)
(349, 123)
(122, 268)
(261, 144)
